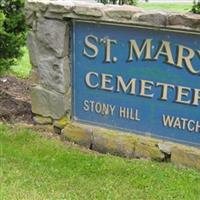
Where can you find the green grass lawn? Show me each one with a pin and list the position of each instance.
(23, 67)
(177, 7)
(36, 168)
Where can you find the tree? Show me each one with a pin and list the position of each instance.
(12, 32)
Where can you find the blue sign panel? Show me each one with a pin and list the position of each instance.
(137, 79)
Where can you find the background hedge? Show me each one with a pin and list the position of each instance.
(12, 32)
(196, 8)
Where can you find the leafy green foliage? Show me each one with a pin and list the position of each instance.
(12, 32)
(2, 18)
(132, 2)
(120, 2)
(196, 8)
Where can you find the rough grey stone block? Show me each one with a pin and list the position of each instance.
(53, 34)
(190, 20)
(42, 120)
(55, 73)
(60, 7)
(186, 156)
(36, 5)
(57, 9)
(87, 9)
(37, 50)
(33, 49)
(164, 148)
(48, 103)
(121, 12)
(113, 144)
(30, 17)
(152, 18)
(77, 135)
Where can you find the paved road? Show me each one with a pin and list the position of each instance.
(154, 1)
(169, 1)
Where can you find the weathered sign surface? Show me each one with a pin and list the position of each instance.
(137, 79)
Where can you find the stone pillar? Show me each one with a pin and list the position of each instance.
(50, 54)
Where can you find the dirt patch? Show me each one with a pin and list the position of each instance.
(15, 104)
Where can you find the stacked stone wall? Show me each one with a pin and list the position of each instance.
(49, 45)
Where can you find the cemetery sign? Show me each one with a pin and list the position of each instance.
(138, 79)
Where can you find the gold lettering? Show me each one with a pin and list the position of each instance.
(98, 107)
(197, 129)
(165, 87)
(105, 81)
(125, 87)
(165, 50)
(108, 43)
(190, 125)
(167, 120)
(138, 52)
(146, 86)
(112, 108)
(196, 97)
(184, 120)
(186, 59)
(87, 79)
(182, 92)
(122, 112)
(177, 123)
(86, 106)
(90, 46)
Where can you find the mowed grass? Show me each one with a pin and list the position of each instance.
(176, 7)
(23, 67)
(36, 168)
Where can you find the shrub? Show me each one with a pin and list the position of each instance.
(196, 8)
(132, 2)
(12, 32)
